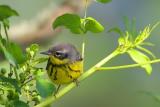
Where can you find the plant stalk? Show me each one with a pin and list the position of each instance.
(5, 29)
(16, 74)
(128, 66)
(0, 31)
(85, 11)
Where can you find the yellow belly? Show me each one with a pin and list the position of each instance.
(64, 74)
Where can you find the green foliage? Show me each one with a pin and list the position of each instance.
(10, 81)
(2, 71)
(70, 21)
(130, 26)
(18, 103)
(22, 78)
(6, 23)
(44, 87)
(78, 25)
(92, 25)
(17, 53)
(132, 43)
(104, 1)
(155, 97)
(146, 51)
(139, 58)
(6, 12)
(116, 30)
(32, 51)
(8, 56)
(12, 52)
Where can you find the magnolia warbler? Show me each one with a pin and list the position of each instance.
(64, 64)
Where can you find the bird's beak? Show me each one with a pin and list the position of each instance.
(46, 53)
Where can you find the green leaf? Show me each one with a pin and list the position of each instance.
(39, 60)
(130, 27)
(18, 103)
(116, 30)
(70, 21)
(44, 87)
(154, 26)
(77, 25)
(39, 72)
(133, 28)
(147, 44)
(17, 53)
(6, 23)
(143, 35)
(127, 23)
(32, 50)
(104, 1)
(34, 47)
(154, 96)
(147, 51)
(90, 24)
(11, 81)
(139, 58)
(12, 52)
(8, 56)
(6, 12)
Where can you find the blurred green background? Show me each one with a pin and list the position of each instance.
(117, 88)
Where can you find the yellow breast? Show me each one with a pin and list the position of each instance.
(65, 73)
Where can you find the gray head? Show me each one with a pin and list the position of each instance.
(64, 51)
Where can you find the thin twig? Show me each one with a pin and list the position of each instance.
(11, 71)
(5, 29)
(83, 53)
(16, 74)
(85, 11)
(0, 31)
(128, 66)
(31, 79)
(83, 49)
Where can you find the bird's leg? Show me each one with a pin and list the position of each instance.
(57, 89)
(76, 82)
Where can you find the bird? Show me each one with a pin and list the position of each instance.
(65, 64)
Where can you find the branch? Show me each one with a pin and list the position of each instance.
(85, 75)
(128, 66)
(30, 79)
(83, 51)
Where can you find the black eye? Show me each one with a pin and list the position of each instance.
(60, 55)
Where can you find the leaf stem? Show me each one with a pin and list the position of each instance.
(30, 79)
(83, 53)
(154, 26)
(85, 11)
(5, 29)
(16, 74)
(128, 66)
(86, 74)
(83, 48)
(0, 31)
(11, 71)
